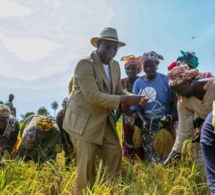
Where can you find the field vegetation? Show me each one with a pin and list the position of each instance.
(182, 178)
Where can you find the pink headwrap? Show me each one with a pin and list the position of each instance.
(181, 74)
(131, 59)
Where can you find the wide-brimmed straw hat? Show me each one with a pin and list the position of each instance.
(109, 34)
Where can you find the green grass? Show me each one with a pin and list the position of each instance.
(137, 178)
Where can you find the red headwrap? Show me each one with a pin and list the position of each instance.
(172, 65)
(131, 59)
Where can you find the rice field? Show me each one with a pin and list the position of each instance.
(184, 178)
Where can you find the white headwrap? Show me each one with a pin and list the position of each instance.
(4, 110)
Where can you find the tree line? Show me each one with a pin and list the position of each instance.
(43, 110)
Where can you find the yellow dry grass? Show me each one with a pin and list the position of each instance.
(137, 178)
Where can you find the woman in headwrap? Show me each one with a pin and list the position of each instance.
(9, 129)
(133, 66)
(195, 97)
(191, 60)
(161, 106)
(41, 139)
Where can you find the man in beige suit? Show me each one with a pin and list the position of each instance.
(89, 116)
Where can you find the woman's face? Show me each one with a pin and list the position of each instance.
(131, 71)
(3, 122)
(150, 68)
(185, 90)
(184, 63)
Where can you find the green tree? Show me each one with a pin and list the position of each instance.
(43, 111)
(54, 107)
(65, 100)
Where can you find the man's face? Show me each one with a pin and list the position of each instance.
(131, 71)
(150, 68)
(185, 90)
(11, 97)
(107, 50)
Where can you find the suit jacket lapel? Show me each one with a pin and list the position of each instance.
(99, 66)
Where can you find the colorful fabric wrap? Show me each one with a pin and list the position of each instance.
(4, 110)
(1, 102)
(44, 123)
(152, 56)
(213, 112)
(181, 74)
(132, 60)
(190, 58)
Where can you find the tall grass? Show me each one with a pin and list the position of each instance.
(17, 177)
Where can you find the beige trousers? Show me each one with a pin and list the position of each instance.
(109, 152)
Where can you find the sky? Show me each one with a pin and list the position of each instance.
(41, 41)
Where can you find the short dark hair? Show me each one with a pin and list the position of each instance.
(11, 95)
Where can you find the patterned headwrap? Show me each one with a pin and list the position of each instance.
(181, 74)
(131, 59)
(44, 123)
(4, 110)
(190, 58)
(152, 56)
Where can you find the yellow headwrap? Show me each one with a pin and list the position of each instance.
(44, 123)
(131, 59)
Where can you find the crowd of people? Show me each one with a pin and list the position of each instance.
(159, 113)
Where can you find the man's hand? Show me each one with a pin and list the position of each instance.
(134, 100)
(144, 100)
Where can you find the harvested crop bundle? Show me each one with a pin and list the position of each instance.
(137, 137)
(163, 142)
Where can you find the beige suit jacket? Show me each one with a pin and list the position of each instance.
(91, 102)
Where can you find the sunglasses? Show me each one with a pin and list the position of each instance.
(109, 46)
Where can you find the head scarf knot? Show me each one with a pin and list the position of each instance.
(152, 56)
(131, 59)
(190, 58)
(44, 123)
(4, 110)
(181, 74)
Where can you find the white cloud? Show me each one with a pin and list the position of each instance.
(51, 40)
(9, 8)
(29, 49)
(57, 3)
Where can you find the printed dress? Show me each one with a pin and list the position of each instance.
(8, 136)
(128, 148)
(37, 145)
